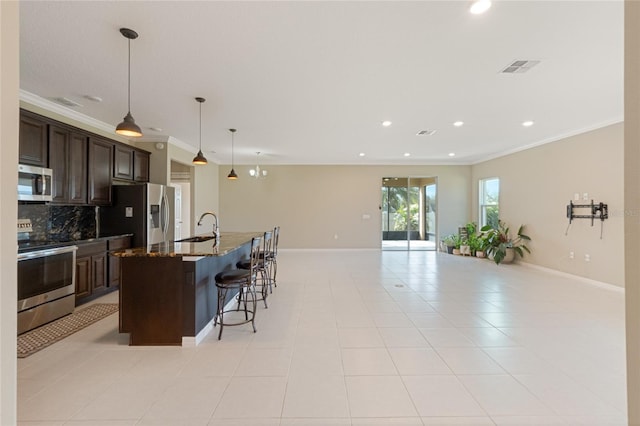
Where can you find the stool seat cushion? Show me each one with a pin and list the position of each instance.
(246, 264)
(235, 276)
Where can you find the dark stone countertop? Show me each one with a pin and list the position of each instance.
(224, 244)
(26, 246)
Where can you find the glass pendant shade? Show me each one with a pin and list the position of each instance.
(258, 173)
(128, 127)
(200, 159)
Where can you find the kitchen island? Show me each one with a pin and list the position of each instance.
(168, 294)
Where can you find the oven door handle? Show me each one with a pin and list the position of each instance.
(46, 252)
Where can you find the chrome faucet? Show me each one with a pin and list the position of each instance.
(216, 230)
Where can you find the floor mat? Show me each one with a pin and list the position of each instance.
(41, 337)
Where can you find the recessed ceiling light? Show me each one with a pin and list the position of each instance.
(407, 154)
(527, 123)
(362, 154)
(452, 154)
(386, 123)
(458, 123)
(480, 6)
(428, 132)
(155, 129)
(66, 102)
(93, 98)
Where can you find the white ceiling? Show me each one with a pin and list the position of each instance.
(310, 82)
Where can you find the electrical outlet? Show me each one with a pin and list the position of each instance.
(571, 255)
(587, 258)
(585, 196)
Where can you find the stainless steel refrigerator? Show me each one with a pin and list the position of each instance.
(144, 210)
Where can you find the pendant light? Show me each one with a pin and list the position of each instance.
(232, 174)
(200, 158)
(128, 127)
(258, 173)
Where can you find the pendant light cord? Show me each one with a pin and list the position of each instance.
(129, 81)
(200, 126)
(232, 133)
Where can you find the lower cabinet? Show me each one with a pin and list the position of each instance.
(114, 261)
(91, 270)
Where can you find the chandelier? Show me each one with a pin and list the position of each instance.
(258, 173)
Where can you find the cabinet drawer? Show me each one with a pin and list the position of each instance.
(89, 249)
(119, 243)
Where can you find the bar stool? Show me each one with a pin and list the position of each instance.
(244, 281)
(263, 267)
(273, 256)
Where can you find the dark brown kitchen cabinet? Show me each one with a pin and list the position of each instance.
(33, 147)
(100, 167)
(123, 162)
(141, 166)
(115, 244)
(91, 270)
(68, 159)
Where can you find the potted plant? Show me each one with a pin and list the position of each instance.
(482, 244)
(470, 246)
(502, 246)
(457, 242)
(449, 241)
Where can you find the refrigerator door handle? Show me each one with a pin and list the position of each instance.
(166, 213)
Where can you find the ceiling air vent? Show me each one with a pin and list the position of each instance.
(428, 132)
(518, 67)
(66, 102)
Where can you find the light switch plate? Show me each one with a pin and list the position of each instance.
(128, 212)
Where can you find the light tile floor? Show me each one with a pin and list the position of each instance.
(360, 338)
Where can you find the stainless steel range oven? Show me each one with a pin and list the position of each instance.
(46, 285)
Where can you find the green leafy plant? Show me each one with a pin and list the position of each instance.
(499, 241)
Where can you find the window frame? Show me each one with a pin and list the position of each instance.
(483, 203)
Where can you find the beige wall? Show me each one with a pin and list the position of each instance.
(632, 205)
(9, 82)
(537, 184)
(313, 204)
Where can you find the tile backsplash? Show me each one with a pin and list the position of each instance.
(59, 223)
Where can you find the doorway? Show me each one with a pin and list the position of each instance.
(409, 213)
(181, 177)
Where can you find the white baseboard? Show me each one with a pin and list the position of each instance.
(191, 342)
(589, 281)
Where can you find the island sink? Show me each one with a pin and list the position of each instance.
(197, 239)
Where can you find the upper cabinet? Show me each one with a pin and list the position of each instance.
(141, 166)
(123, 162)
(33, 148)
(130, 164)
(100, 166)
(84, 164)
(68, 160)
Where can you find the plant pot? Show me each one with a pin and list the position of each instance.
(450, 249)
(480, 254)
(465, 250)
(509, 256)
(456, 251)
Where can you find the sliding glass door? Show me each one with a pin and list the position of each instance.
(408, 213)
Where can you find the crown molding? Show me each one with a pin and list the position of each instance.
(48, 105)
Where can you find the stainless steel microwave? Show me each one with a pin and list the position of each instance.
(34, 183)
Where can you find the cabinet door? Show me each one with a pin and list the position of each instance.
(100, 166)
(123, 164)
(33, 147)
(141, 166)
(99, 266)
(83, 277)
(58, 162)
(77, 168)
(114, 262)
